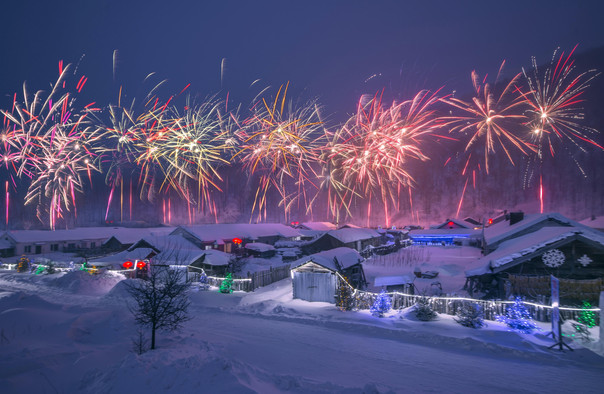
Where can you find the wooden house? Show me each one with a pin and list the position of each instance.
(517, 224)
(230, 237)
(314, 277)
(523, 265)
(358, 239)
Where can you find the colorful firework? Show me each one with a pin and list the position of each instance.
(192, 151)
(281, 144)
(490, 122)
(54, 148)
(369, 155)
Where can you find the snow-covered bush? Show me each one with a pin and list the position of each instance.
(423, 309)
(470, 314)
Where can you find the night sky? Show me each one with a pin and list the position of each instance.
(326, 49)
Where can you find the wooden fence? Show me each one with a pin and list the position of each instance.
(251, 283)
(491, 308)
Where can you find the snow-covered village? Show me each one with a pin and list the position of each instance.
(302, 197)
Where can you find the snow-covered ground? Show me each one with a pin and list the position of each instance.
(71, 333)
(450, 262)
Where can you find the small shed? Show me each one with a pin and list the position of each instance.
(400, 283)
(315, 278)
(259, 249)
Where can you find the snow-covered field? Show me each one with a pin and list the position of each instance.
(450, 262)
(72, 333)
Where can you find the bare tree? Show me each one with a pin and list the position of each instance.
(161, 301)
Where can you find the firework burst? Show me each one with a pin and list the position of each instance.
(369, 155)
(281, 145)
(555, 114)
(52, 138)
(490, 120)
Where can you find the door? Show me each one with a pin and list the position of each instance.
(315, 286)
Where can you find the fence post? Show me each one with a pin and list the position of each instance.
(602, 318)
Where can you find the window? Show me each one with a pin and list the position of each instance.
(92, 245)
(27, 249)
(208, 247)
(71, 246)
(54, 247)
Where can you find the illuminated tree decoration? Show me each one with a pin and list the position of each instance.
(381, 305)
(586, 316)
(584, 260)
(227, 284)
(23, 265)
(553, 258)
(344, 295)
(518, 317)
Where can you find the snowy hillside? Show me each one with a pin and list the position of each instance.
(72, 332)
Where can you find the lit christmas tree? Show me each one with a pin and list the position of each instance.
(227, 284)
(23, 265)
(586, 316)
(344, 295)
(518, 317)
(381, 305)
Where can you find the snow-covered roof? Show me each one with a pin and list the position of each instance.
(220, 232)
(516, 248)
(123, 234)
(392, 280)
(319, 226)
(348, 234)
(118, 259)
(345, 257)
(460, 223)
(216, 257)
(502, 230)
(165, 242)
(259, 247)
(596, 222)
(461, 232)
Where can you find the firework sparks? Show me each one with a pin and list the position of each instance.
(489, 120)
(369, 155)
(554, 98)
(54, 148)
(281, 145)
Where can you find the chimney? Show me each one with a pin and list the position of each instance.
(516, 217)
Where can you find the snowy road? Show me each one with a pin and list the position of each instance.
(70, 341)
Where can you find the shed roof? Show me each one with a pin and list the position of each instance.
(259, 247)
(392, 280)
(346, 235)
(331, 259)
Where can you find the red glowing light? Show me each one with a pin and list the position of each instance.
(127, 265)
(490, 221)
(451, 224)
(237, 241)
(141, 264)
